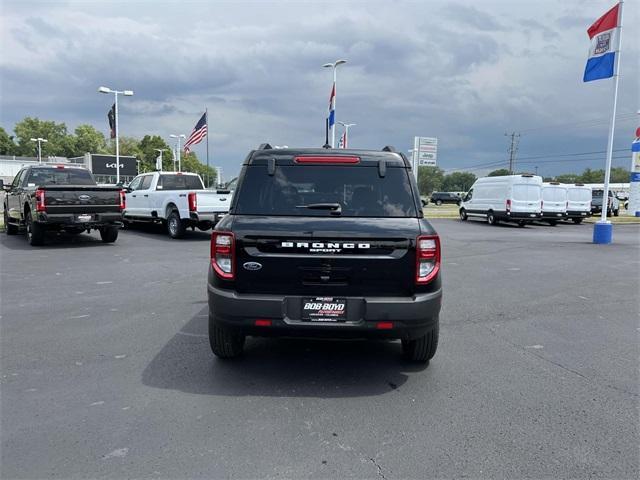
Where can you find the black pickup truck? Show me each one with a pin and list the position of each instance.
(330, 243)
(61, 198)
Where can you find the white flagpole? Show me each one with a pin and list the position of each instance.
(616, 74)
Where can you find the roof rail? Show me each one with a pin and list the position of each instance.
(389, 148)
(265, 146)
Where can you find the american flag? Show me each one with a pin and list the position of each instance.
(332, 106)
(343, 140)
(198, 133)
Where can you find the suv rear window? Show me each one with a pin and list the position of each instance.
(360, 191)
(59, 176)
(179, 182)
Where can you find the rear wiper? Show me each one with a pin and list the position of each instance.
(336, 208)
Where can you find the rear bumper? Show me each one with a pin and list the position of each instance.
(578, 214)
(71, 219)
(213, 217)
(411, 316)
(554, 215)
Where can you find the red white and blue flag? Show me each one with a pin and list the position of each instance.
(332, 106)
(198, 133)
(604, 41)
(343, 140)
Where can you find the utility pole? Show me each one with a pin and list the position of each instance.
(513, 150)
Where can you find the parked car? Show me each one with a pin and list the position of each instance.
(578, 202)
(329, 243)
(509, 198)
(554, 202)
(445, 197)
(177, 199)
(65, 198)
(613, 204)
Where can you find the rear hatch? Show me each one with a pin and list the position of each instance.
(526, 198)
(334, 226)
(554, 199)
(81, 199)
(212, 201)
(579, 200)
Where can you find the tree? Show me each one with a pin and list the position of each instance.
(499, 173)
(128, 146)
(190, 163)
(567, 178)
(458, 182)
(58, 141)
(88, 140)
(619, 175)
(429, 179)
(148, 146)
(592, 176)
(7, 147)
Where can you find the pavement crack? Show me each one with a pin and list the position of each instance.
(380, 472)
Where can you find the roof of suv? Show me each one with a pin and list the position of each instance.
(288, 155)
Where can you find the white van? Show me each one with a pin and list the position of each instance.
(510, 198)
(554, 202)
(578, 202)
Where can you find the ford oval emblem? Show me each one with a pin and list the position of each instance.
(84, 197)
(253, 266)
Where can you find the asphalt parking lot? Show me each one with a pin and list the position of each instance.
(107, 371)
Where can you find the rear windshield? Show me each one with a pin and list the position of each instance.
(551, 194)
(526, 192)
(59, 176)
(179, 182)
(579, 195)
(360, 191)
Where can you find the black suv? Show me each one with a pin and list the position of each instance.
(445, 197)
(330, 243)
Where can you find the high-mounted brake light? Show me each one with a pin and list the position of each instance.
(427, 258)
(193, 201)
(223, 254)
(40, 206)
(321, 160)
(123, 200)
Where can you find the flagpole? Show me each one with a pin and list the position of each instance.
(602, 230)
(206, 117)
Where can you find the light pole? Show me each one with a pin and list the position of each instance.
(334, 66)
(160, 150)
(40, 141)
(178, 137)
(346, 132)
(126, 93)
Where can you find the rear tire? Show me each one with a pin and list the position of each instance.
(616, 212)
(577, 221)
(553, 223)
(463, 215)
(438, 202)
(491, 219)
(224, 343)
(35, 231)
(422, 349)
(109, 234)
(522, 223)
(175, 226)
(9, 228)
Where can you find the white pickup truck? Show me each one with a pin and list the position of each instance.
(177, 199)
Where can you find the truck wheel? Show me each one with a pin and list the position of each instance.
(463, 215)
(9, 228)
(438, 202)
(616, 212)
(224, 342)
(553, 223)
(175, 226)
(577, 221)
(421, 349)
(109, 234)
(522, 223)
(491, 219)
(35, 231)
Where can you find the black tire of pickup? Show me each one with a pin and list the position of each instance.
(9, 228)
(577, 221)
(109, 234)
(224, 342)
(35, 231)
(175, 226)
(422, 349)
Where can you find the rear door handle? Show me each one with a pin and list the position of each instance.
(146, 195)
(133, 196)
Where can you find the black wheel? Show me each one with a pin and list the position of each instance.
(9, 228)
(577, 221)
(463, 215)
(35, 231)
(438, 202)
(616, 212)
(491, 219)
(175, 226)
(608, 213)
(553, 223)
(109, 234)
(224, 342)
(421, 349)
(522, 223)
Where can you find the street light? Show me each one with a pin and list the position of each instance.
(126, 93)
(334, 66)
(40, 141)
(160, 150)
(178, 137)
(346, 132)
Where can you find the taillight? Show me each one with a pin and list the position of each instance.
(40, 206)
(541, 204)
(223, 254)
(193, 202)
(327, 159)
(427, 258)
(508, 204)
(123, 201)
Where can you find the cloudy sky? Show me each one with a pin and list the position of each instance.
(463, 71)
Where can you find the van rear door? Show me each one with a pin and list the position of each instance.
(526, 198)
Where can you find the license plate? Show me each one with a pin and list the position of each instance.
(584, 213)
(84, 218)
(532, 215)
(324, 309)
